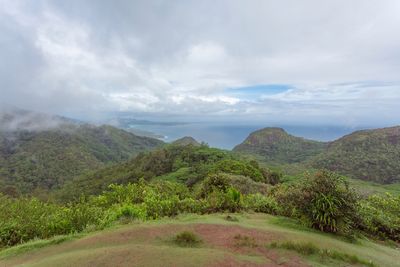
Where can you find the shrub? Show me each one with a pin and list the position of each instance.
(214, 182)
(324, 200)
(330, 204)
(245, 185)
(24, 219)
(129, 212)
(218, 201)
(261, 203)
(231, 218)
(380, 216)
(239, 168)
(187, 239)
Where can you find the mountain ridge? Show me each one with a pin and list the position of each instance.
(371, 154)
(33, 157)
(278, 147)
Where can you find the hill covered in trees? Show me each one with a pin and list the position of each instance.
(276, 146)
(95, 178)
(41, 152)
(187, 164)
(371, 155)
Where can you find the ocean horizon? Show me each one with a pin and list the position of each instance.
(228, 135)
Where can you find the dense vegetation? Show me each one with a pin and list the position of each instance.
(44, 160)
(275, 146)
(370, 155)
(326, 204)
(87, 187)
(186, 164)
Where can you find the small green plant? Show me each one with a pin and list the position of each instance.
(231, 218)
(187, 239)
(245, 241)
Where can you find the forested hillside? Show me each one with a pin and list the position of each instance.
(372, 155)
(186, 164)
(276, 146)
(41, 159)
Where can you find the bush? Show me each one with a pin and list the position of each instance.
(380, 216)
(261, 203)
(219, 201)
(130, 212)
(324, 200)
(330, 204)
(187, 239)
(214, 182)
(239, 168)
(28, 218)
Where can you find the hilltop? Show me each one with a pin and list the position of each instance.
(187, 140)
(275, 145)
(371, 155)
(251, 240)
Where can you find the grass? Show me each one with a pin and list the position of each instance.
(187, 239)
(308, 249)
(36, 244)
(231, 218)
(369, 188)
(144, 244)
(302, 248)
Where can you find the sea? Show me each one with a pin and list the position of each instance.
(228, 135)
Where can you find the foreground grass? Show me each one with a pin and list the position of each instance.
(238, 241)
(309, 249)
(36, 244)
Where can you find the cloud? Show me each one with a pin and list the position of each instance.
(340, 59)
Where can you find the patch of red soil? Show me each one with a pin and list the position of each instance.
(226, 237)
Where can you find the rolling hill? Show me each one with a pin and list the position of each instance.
(184, 163)
(276, 146)
(370, 155)
(41, 152)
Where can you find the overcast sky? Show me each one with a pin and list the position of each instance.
(287, 61)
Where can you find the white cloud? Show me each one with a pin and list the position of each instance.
(341, 58)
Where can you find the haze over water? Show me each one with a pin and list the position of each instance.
(228, 135)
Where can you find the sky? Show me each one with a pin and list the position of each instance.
(303, 62)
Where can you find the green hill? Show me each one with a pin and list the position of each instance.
(187, 140)
(188, 165)
(33, 158)
(274, 145)
(371, 155)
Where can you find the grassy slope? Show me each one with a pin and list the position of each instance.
(149, 244)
